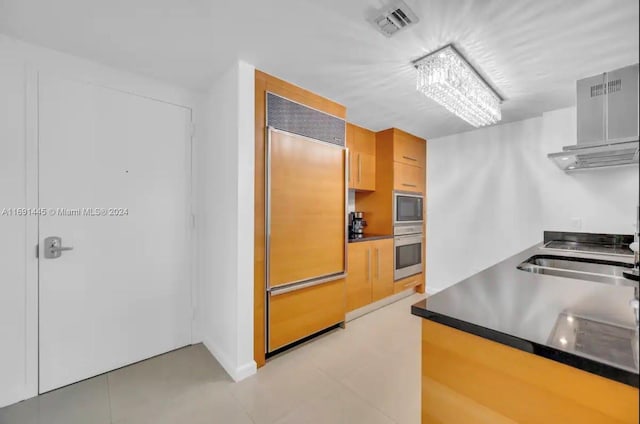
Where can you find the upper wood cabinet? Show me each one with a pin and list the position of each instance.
(403, 174)
(408, 178)
(409, 149)
(362, 158)
(369, 272)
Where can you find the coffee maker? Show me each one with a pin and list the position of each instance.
(356, 225)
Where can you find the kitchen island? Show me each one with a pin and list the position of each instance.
(511, 346)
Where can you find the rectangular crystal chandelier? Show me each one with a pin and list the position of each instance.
(446, 77)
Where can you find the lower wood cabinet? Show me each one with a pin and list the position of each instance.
(382, 281)
(370, 272)
(407, 283)
(297, 314)
(472, 380)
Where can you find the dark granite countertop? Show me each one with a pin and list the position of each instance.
(370, 237)
(587, 325)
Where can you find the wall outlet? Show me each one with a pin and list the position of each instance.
(576, 223)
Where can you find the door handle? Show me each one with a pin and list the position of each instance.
(359, 168)
(377, 263)
(369, 264)
(410, 158)
(53, 247)
(409, 185)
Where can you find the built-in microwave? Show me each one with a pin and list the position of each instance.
(407, 208)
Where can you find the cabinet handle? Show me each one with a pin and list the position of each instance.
(410, 158)
(410, 283)
(368, 264)
(359, 168)
(377, 263)
(409, 185)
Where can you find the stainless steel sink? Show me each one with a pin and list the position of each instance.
(598, 270)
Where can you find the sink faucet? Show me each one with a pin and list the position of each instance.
(635, 302)
(636, 241)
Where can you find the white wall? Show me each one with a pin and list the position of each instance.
(493, 191)
(483, 200)
(602, 200)
(13, 258)
(224, 219)
(20, 65)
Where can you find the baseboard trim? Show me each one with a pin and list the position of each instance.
(236, 373)
(246, 370)
(357, 313)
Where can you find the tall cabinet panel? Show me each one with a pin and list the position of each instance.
(307, 209)
(306, 173)
(295, 314)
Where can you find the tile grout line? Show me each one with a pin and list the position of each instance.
(349, 389)
(239, 403)
(352, 391)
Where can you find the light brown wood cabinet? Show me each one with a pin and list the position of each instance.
(370, 272)
(319, 171)
(407, 283)
(469, 379)
(316, 307)
(401, 164)
(408, 178)
(358, 280)
(297, 314)
(382, 282)
(409, 149)
(362, 158)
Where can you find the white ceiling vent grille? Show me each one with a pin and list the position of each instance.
(394, 17)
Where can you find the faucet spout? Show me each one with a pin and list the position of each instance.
(636, 241)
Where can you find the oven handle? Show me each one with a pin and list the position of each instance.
(408, 239)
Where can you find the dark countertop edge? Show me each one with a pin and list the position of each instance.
(371, 238)
(594, 367)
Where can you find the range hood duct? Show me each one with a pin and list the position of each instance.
(607, 117)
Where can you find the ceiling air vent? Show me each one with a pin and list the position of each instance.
(393, 18)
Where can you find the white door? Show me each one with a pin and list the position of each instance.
(118, 168)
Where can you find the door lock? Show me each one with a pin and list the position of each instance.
(53, 247)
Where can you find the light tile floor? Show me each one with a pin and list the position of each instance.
(367, 373)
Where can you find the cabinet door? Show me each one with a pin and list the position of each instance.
(407, 283)
(366, 172)
(353, 168)
(409, 150)
(299, 313)
(359, 275)
(362, 148)
(408, 178)
(382, 284)
(303, 175)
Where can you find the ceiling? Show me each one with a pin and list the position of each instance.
(532, 51)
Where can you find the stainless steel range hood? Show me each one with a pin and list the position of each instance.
(607, 116)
